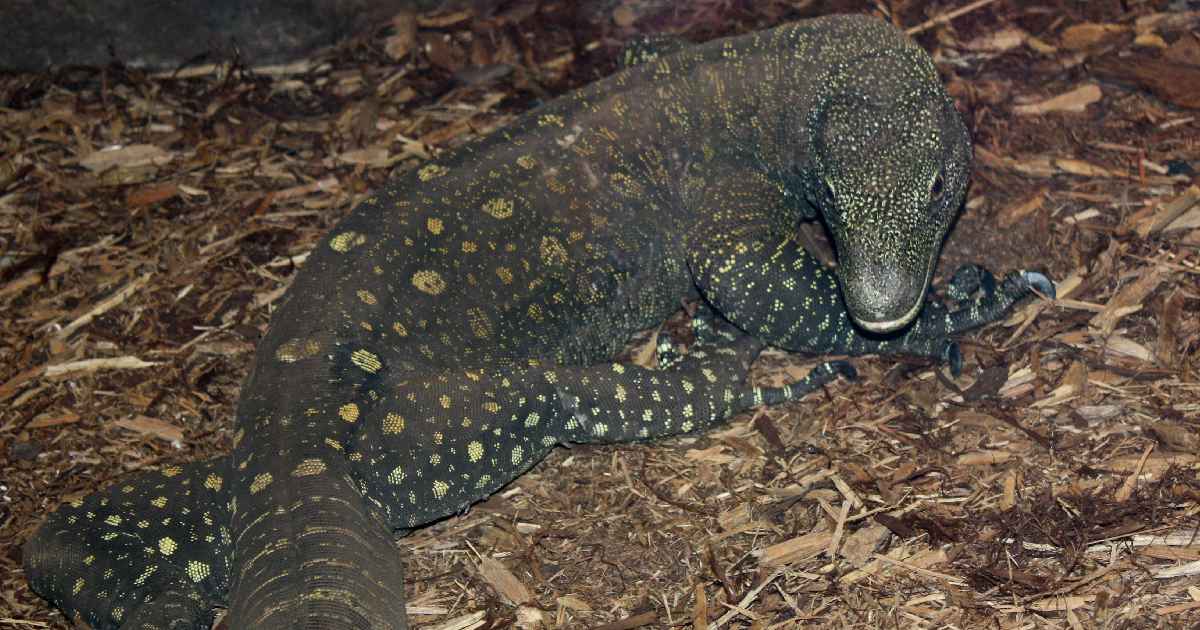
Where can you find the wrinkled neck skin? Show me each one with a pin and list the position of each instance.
(887, 171)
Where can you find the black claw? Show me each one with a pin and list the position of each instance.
(1039, 283)
(987, 282)
(952, 356)
(845, 369)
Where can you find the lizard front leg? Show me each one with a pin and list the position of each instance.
(437, 443)
(772, 288)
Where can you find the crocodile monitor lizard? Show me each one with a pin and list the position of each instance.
(462, 321)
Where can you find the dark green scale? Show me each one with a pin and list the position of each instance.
(461, 322)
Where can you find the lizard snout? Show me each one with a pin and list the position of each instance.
(881, 298)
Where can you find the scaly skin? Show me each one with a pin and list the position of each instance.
(460, 323)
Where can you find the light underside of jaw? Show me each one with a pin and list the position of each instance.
(892, 324)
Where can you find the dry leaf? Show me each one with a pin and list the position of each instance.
(1079, 167)
(506, 584)
(131, 156)
(1011, 215)
(152, 426)
(150, 195)
(1176, 83)
(1076, 100)
(1175, 437)
(1170, 215)
(48, 420)
(984, 458)
(1051, 604)
(405, 37)
(1088, 34)
(1125, 347)
(1000, 41)
(794, 550)
(1128, 300)
(95, 365)
(713, 455)
(375, 156)
(862, 545)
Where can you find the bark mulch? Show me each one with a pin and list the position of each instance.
(148, 223)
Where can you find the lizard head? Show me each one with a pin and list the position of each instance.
(891, 163)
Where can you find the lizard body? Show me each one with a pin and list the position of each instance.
(461, 322)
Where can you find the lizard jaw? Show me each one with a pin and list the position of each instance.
(892, 324)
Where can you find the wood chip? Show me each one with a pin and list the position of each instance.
(1059, 604)
(152, 426)
(88, 366)
(795, 549)
(1003, 40)
(1088, 34)
(1011, 215)
(984, 458)
(55, 420)
(1076, 100)
(506, 584)
(404, 36)
(1130, 299)
(1131, 480)
(862, 545)
(104, 306)
(130, 156)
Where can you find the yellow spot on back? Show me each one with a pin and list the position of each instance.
(440, 488)
(167, 545)
(481, 326)
(553, 252)
(397, 475)
(348, 412)
(171, 471)
(213, 482)
(333, 444)
(393, 423)
(197, 570)
(309, 467)
(499, 207)
(113, 520)
(435, 225)
(79, 584)
(262, 480)
(475, 451)
(294, 350)
(428, 281)
(365, 360)
(159, 502)
(431, 171)
(506, 276)
(400, 329)
(346, 241)
(366, 296)
(444, 401)
(526, 162)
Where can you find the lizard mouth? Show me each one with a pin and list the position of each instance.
(891, 324)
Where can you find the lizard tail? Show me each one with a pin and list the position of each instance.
(97, 560)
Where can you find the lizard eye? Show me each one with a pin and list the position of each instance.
(937, 188)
